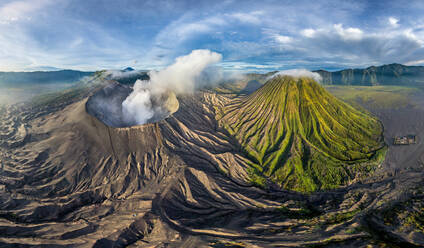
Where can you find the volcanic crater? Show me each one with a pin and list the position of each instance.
(106, 105)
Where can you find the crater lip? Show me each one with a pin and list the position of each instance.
(106, 106)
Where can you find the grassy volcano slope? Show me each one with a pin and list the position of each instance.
(302, 137)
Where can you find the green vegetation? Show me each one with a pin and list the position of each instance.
(408, 215)
(304, 212)
(300, 136)
(341, 217)
(227, 244)
(392, 97)
(416, 219)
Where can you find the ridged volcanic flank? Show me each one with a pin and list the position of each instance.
(302, 137)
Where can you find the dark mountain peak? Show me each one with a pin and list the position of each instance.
(389, 74)
(320, 70)
(395, 64)
(128, 69)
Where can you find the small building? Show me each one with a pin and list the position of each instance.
(405, 140)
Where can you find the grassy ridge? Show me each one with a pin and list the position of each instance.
(300, 136)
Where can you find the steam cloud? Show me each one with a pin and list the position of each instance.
(300, 73)
(137, 107)
(117, 74)
(180, 77)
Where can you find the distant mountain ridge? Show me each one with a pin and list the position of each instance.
(63, 76)
(391, 74)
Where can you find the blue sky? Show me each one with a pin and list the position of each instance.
(251, 35)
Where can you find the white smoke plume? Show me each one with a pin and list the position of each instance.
(118, 74)
(137, 107)
(297, 73)
(180, 77)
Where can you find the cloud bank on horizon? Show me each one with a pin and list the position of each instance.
(251, 36)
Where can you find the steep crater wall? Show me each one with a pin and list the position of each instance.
(106, 105)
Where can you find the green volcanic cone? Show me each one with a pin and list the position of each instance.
(301, 137)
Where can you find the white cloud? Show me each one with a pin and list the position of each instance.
(174, 35)
(243, 66)
(337, 29)
(182, 75)
(354, 46)
(348, 33)
(415, 62)
(309, 32)
(283, 39)
(186, 27)
(252, 17)
(182, 29)
(81, 46)
(393, 22)
(297, 73)
(410, 34)
(294, 34)
(20, 10)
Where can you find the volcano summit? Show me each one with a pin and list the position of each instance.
(300, 136)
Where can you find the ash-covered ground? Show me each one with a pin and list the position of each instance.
(69, 180)
(402, 122)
